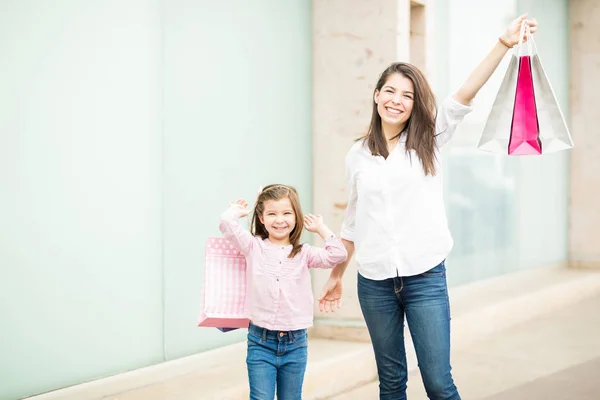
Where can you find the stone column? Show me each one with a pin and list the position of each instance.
(353, 42)
(584, 235)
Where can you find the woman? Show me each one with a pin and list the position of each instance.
(396, 223)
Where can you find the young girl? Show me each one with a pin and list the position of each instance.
(280, 298)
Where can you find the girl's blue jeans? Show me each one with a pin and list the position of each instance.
(276, 362)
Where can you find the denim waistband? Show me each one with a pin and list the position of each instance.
(265, 333)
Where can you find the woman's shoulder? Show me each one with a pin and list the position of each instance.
(356, 148)
(358, 144)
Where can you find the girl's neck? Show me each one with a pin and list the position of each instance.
(280, 242)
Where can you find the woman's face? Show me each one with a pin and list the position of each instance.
(395, 101)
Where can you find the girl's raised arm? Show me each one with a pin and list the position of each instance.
(239, 237)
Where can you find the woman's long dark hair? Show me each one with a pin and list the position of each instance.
(420, 127)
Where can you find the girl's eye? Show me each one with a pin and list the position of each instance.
(408, 96)
(389, 91)
(288, 213)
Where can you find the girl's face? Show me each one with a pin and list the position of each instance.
(395, 101)
(280, 219)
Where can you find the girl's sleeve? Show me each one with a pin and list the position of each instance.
(333, 254)
(450, 114)
(239, 237)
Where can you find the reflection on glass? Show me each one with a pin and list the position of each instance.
(481, 207)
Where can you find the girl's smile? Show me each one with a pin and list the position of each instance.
(279, 219)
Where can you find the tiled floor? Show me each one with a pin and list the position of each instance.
(581, 382)
(554, 357)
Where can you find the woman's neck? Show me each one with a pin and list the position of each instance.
(392, 131)
(392, 134)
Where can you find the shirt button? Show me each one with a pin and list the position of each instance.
(282, 248)
(279, 262)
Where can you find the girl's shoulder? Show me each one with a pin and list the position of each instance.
(304, 250)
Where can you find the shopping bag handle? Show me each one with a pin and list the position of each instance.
(531, 48)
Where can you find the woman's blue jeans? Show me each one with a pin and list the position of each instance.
(423, 301)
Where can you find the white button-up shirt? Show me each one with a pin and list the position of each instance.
(395, 214)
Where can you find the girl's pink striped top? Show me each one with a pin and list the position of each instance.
(279, 288)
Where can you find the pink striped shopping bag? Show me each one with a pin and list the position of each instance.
(223, 302)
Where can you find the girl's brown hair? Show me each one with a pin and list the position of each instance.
(278, 192)
(420, 127)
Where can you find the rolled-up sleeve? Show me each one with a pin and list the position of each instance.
(333, 254)
(450, 114)
(240, 238)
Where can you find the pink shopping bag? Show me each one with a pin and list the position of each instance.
(524, 132)
(525, 117)
(223, 302)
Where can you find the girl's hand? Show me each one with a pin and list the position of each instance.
(313, 223)
(242, 205)
(512, 32)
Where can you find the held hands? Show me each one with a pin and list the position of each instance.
(511, 36)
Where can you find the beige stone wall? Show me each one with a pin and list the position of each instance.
(353, 41)
(584, 236)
